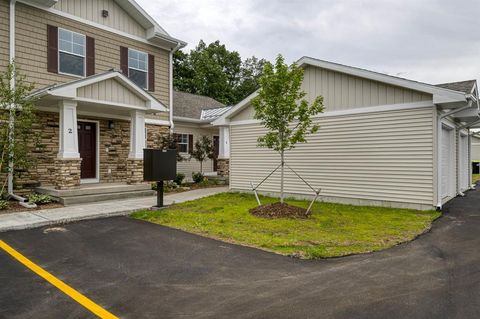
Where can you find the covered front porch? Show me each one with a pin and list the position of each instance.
(101, 130)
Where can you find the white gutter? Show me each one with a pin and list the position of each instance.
(170, 101)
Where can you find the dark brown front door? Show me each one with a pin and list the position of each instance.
(87, 145)
(216, 146)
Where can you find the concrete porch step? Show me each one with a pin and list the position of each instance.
(90, 193)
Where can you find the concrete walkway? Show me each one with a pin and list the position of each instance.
(39, 218)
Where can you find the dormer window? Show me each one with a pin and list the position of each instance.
(138, 67)
(71, 52)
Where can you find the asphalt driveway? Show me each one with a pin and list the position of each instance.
(139, 270)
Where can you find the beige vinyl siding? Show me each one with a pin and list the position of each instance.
(382, 156)
(475, 149)
(188, 167)
(342, 91)
(4, 35)
(112, 91)
(92, 10)
(31, 50)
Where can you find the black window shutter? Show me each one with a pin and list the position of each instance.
(124, 60)
(90, 56)
(52, 49)
(190, 143)
(151, 73)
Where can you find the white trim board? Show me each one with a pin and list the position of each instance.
(157, 122)
(97, 179)
(360, 110)
(440, 95)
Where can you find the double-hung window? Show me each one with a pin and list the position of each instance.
(138, 67)
(71, 52)
(182, 142)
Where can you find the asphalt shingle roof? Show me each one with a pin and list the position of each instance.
(191, 105)
(462, 86)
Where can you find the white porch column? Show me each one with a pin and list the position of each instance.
(137, 134)
(224, 143)
(68, 134)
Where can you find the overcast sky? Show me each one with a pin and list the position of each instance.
(424, 40)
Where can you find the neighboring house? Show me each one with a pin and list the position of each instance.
(383, 140)
(192, 116)
(100, 68)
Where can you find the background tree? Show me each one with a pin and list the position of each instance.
(282, 109)
(214, 71)
(16, 141)
(202, 150)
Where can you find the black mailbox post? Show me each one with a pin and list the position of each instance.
(159, 166)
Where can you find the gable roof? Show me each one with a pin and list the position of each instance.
(188, 105)
(154, 32)
(440, 95)
(462, 86)
(69, 90)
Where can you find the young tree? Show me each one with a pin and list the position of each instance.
(16, 120)
(202, 150)
(282, 109)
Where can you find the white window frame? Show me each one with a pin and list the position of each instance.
(146, 66)
(71, 53)
(180, 135)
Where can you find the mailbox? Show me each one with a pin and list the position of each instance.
(159, 166)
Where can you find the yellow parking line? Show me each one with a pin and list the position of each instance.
(66, 289)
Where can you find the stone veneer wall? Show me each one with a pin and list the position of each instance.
(114, 148)
(134, 171)
(223, 167)
(67, 173)
(42, 170)
(154, 135)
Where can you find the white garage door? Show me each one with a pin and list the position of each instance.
(448, 165)
(463, 162)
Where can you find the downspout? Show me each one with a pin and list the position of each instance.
(170, 101)
(439, 147)
(11, 123)
(22, 201)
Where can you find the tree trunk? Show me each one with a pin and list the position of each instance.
(201, 167)
(281, 176)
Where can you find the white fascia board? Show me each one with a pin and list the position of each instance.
(440, 94)
(223, 120)
(189, 120)
(157, 122)
(150, 26)
(69, 90)
(355, 111)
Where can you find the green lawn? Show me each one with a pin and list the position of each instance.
(332, 230)
(475, 178)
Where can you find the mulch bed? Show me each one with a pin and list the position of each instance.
(15, 207)
(279, 210)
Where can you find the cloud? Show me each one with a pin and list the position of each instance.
(431, 40)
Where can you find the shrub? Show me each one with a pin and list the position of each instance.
(3, 204)
(39, 199)
(197, 177)
(179, 179)
(205, 182)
